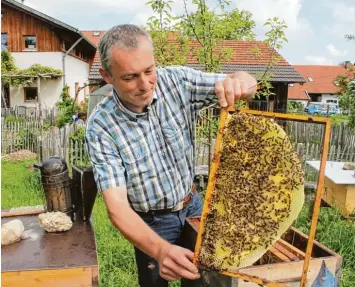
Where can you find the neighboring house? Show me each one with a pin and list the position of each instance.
(320, 85)
(243, 59)
(35, 38)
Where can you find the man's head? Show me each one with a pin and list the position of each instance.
(127, 61)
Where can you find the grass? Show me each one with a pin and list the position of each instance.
(116, 254)
(337, 234)
(338, 119)
(20, 187)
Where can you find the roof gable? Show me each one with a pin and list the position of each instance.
(319, 80)
(94, 36)
(41, 16)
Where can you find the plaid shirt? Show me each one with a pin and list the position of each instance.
(152, 153)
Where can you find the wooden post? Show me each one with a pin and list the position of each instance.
(317, 203)
(300, 151)
(341, 135)
(76, 92)
(39, 95)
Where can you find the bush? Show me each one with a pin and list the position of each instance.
(13, 119)
(294, 107)
(67, 108)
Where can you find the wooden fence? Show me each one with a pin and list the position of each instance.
(301, 132)
(30, 135)
(60, 142)
(306, 138)
(31, 113)
(17, 136)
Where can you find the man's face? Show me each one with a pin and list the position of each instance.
(133, 75)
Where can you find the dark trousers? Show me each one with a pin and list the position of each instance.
(168, 226)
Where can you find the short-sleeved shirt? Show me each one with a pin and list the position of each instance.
(152, 153)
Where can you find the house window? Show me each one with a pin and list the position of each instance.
(291, 85)
(31, 94)
(310, 79)
(96, 33)
(30, 42)
(3, 41)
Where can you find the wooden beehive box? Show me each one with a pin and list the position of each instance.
(339, 186)
(282, 263)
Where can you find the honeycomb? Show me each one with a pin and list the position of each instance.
(258, 193)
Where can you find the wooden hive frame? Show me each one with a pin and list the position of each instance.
(319, 191)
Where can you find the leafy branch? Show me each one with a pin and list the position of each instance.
(275, 38)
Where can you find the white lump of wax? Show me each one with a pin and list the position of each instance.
(55, 221)
(11, 231)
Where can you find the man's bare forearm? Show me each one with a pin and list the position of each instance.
(132, 227)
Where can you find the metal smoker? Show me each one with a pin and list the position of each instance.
(56, 184)
(76, 196)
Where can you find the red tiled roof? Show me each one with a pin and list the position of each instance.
(323, 80)
(94, 39)
(242, 53)
(245, 53)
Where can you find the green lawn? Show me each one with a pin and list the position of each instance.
(20, 187)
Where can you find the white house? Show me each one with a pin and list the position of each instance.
(321, 85)
(35, 38)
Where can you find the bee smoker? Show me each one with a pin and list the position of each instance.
(84, 192)
(56, 184)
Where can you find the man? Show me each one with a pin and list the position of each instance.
(141, 144)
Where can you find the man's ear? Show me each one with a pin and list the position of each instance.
(106, 76)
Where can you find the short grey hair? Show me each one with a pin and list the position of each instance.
(126, 36)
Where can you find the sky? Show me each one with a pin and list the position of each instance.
(315, 33)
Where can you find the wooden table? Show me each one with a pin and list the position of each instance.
(339, 186)
(50, 259)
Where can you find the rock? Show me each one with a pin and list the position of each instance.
(11, 231)
(349, 166)
(55, 221)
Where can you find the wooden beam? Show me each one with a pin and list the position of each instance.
(279, 254)
(74, 277)
(319, 120)
(22, 211)
(289, 247)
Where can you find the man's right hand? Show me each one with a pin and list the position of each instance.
(175, 263)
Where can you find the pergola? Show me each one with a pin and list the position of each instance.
(24, 76)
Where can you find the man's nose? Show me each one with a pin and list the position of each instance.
(143, 83)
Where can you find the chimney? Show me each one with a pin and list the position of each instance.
(347, 64)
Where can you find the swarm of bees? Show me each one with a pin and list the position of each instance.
(258, 192)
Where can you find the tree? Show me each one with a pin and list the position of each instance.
(346, 96)
(210, 27)
(351, 94)
(275, 38)
(350, 37)
(160, 27)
